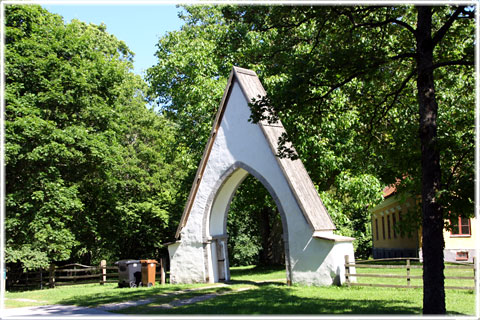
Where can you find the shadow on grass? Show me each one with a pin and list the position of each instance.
(256, 270)
(282, 300)
(268, 299)
(255, 283)
(122, 295)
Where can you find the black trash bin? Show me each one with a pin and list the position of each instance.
(129, 273)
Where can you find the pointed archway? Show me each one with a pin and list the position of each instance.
(215, 220)
(255, 229)
(236, 148)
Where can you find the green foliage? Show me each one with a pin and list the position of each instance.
(92, 173)
(186, 81)
(229, 36)
(348, 203)
(90, 169)
(254, 227)
(245, 248)
(346, 91)
(343, 83)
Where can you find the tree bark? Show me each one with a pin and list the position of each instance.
(432, 215)
(264, 253)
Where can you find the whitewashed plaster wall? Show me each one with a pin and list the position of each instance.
(241, 148)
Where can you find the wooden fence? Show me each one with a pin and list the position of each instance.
(72, 274)
(351, 277)
(26, 280)
(80, 274)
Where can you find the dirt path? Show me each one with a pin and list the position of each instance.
(55, 310)
(68, 310)
(103, 310)
(134, 303)
(179, 303)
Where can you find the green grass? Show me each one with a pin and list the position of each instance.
(257, 273)
(145, 309)
(89, 294)
(281, 299)
(299, 300)
(265, 298)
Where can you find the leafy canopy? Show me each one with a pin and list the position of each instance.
(91, 172)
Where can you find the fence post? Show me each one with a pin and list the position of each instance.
(408, 272)
(162, 270)
(51, 276)
(41, 278)
(347, 270)
(474, 273)
(103, 268)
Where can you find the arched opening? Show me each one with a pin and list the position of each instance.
(254, 227)
(256, 209)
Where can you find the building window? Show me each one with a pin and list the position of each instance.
(461, 227)
(462, 256)
(383, 227)
(388, 226)
(376, 228)
(394, 225)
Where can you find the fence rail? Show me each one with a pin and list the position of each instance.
(72, 274)
(350, 275)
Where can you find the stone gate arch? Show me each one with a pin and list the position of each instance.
(237, 147)
(216, 214)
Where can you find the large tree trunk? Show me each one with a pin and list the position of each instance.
(272, 252)
(265, 230)
(432, 221)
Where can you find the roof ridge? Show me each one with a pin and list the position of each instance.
(245, 71)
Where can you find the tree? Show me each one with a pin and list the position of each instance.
(89, 168)
(354, 53)
(254, 227)
(189, 83)
(344, 82)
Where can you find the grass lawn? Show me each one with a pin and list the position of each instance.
(253, 273)
(281, 299)
(89, 294)
(268, 298)
(298, 300)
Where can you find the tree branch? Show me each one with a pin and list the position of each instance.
(395, 95)
(453, 63)
(364, 71)
(443, 30)
(341, 84)
(388, 21)
(454, 169)
(403, 55)
(317, 39)
(287, 26)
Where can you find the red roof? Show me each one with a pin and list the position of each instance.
(389, 190)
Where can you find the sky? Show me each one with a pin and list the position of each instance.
(139, 26)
